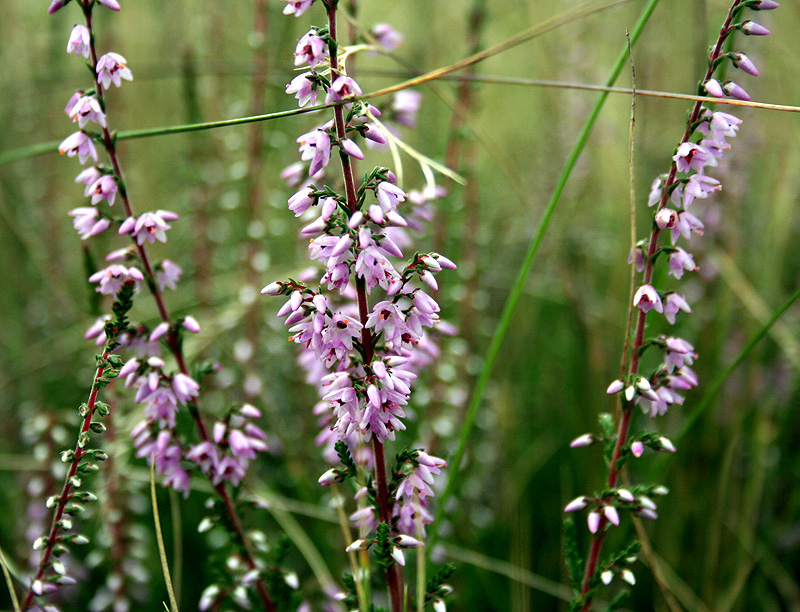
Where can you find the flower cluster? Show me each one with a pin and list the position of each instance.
(162, 393)
(367, 354)
(363, 322)
(705, 142)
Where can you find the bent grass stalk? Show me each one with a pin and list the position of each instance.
(162, 551)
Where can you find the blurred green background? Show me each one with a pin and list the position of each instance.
(728, 533)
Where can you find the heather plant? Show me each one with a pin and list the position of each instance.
(222, 455)
(363, 356)
(406, 448)
(704, 143)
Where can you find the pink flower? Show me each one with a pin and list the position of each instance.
(405, 106)
(296, 7)
(81, 144)
(85, 109)
(88, 176)
(111, 68)
(672, 304)
(680, 260)
(88, 221)
(341, 88)
(315, 146)
(647, 298)
(110, 279)
(690, 156)
(150, 226)
(387, 37)
(304, 89)
(686, 225)
(79, 40)
(104, 188)
(168, 273)
(311, 49)
(112, 4)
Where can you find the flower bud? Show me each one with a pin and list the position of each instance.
(625, 495)
(581, 441)
(159, 332)
(666, 218)
(751, 28)
(627, 576)
(615, 387)
(611, 514)
(646, 502)
(41, 543)
(407, 541)
(56, 5)
(397, 555)
(713, 88)
(743, 63)
(329, 478)
(593, 521)
(637, 448)
(579, 503)
(606, 577)
(357, 545)
(735, 91)
(666, 445)
(351, 148)
(191, 324)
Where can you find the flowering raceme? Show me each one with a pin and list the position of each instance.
(162, 394)
(704, 144)
(365, 338)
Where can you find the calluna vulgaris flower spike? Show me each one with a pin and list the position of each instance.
(223, 456)
(363, 339)
(704, 143)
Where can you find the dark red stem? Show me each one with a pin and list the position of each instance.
(66, 491)
(393, 575)
(172, 339)
(625, 421)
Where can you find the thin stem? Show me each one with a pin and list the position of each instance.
(624, 425)
(172, 338)
(393, 574)
(53, 537)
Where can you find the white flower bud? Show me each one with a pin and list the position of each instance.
(581, 441)
(627, 576)
(625, 495)
(357, 545)
(615, 387)
(666, 445)
(273, 288)
(579, 503)
(397, 555)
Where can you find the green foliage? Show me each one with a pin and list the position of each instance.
(574, 557)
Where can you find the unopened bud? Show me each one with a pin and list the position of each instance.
(273, 288)
(581, 441)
